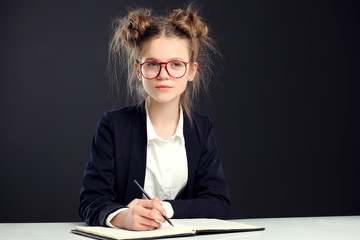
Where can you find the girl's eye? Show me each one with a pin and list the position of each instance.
(151, 64)
(176, 64)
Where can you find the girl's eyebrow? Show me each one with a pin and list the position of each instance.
(157, 60)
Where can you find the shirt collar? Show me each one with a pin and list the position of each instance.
(151, 134)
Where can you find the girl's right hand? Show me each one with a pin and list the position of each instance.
(142, 215)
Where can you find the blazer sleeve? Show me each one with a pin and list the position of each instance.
(97, 194)
(209, 197)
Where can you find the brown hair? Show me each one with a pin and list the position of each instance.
(131, 34)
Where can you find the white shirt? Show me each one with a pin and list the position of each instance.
(166, 166)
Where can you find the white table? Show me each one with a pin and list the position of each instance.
(319, 228)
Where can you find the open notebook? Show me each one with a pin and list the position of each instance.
(182, 227)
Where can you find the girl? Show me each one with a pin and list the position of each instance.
(160, 142)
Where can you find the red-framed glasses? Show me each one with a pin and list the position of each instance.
(152, 69)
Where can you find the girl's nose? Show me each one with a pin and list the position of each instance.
(163, 73)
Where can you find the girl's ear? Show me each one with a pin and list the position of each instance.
(193, 69)
(137, 69)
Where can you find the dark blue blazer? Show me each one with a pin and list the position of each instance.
(118, 156)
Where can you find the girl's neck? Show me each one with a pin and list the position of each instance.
(164, 117)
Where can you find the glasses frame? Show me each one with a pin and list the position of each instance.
(163, 63)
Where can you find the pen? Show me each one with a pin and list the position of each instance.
(149, 198)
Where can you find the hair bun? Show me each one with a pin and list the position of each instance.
(134, 26)
(188, 22)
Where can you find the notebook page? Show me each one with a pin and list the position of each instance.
(115, 233)
(211, 224)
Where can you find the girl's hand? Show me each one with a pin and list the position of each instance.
(142, 215)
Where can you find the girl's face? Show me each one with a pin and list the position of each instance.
(165, 88)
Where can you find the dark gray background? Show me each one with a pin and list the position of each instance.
(285, 103)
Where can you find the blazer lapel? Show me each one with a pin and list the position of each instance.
(192, 145)
(138, 153)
